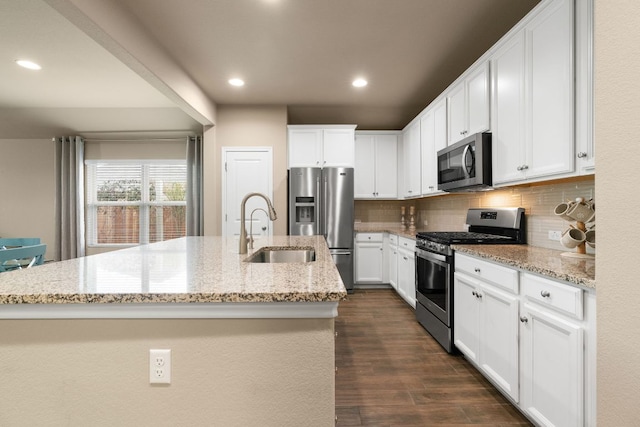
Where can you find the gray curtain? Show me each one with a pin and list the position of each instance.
(70, 231)
(195, 217)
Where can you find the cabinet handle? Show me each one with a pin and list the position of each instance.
(545, 294)
(523, 319)
(477, 270)
(582, 155)
(324, 163)
(474, 293)
(380, 248)
(525, 167)
(405, 258)
(519, 168)
(479, 295)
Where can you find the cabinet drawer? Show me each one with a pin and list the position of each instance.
(369, 237)
(503, 277)
(406, 243)
(563, 298)
(393, 239)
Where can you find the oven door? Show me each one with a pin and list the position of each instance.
(433, 283)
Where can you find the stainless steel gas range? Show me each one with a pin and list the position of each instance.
(435, 266)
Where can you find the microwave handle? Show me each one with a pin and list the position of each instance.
(464, 161)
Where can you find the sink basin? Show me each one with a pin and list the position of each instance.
(271, 254)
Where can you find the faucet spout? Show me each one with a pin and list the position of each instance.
(251, 225)
(243, 229)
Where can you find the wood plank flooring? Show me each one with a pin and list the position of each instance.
(391, 372)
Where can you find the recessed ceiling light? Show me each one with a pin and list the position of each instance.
(236, 82)
(359, 83)
(28, 64)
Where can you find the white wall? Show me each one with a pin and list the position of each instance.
(242, 126)
(27, 183)
(617, 130)
(244, 372)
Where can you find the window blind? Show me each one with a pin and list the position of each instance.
(135, 202)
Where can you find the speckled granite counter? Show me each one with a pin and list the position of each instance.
(543, 261)
(189, 270)
(374, 227)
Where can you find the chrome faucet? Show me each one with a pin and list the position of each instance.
(251, 226)
(243, 229)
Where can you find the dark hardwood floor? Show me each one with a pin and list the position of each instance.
(391, 372)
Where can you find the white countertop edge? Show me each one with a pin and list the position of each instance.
(267, 310)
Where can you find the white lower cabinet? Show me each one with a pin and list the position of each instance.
(527, 334)
(393, 261)
(369, 257)
(486, 327)
(407, 270)
(552, 359)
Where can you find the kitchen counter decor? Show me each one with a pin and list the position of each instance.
(582, 212)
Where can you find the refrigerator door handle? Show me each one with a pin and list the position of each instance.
(325, 213)
(319, 203)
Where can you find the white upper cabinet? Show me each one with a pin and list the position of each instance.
(321, 146)
(469, 104)
(508, 132)
(585, 147)
(412, 159)
(433, 137)
(533, 111)
(376, 165)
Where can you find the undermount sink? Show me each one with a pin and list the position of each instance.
(271, 254)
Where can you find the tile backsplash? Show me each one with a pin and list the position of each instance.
(448, 212)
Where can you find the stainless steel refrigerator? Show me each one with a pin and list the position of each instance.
(321, 203)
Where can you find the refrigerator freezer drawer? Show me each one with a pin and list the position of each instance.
(344, 263)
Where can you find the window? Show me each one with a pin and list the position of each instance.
(135, 202)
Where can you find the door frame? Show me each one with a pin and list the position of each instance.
(223, 170)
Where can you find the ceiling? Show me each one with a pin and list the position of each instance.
(299, 53)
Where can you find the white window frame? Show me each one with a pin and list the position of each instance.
(92, 204)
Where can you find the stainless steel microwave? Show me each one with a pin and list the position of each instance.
(466, 165)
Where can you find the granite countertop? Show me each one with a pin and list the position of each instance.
(547, 262)
(382, 227)
(186, 270)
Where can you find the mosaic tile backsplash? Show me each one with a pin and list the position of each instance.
(449, 212)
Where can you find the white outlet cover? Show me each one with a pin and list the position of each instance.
(160, 366)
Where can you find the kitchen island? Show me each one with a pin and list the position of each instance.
(251, 343)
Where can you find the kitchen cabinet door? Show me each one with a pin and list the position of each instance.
(376, 166)
(313, 146)
(466, 329)
(477, 89)
(457, 121)
(533, 101)
(550, 109)
(338, 147)
(386, 166)
(364, 174)
(369, 258)
(433, 128)
(407, 276)
(585, 144)
(393, 262)
(412, 159)
(508, 102)
(553, 370)
(305, 147)
(469, 104)
(499, 339)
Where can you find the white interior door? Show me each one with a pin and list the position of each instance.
(246, 170)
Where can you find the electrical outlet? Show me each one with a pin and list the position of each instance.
(555, 235)
(160, 366)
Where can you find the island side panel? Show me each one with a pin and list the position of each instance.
(269, 372)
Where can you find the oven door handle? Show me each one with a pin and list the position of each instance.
(430, 256)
